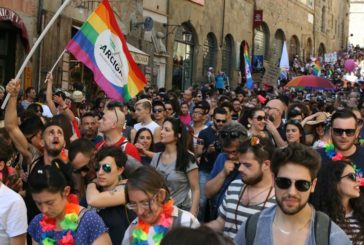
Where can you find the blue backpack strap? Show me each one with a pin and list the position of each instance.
(250, 228)
(322, 228)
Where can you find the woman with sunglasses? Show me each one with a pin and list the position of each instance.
(62, 220)
(178, 166)
(109, 198)
(294, 132)
(148, 196)
(257, 122)
(337, 193)
(143, 141)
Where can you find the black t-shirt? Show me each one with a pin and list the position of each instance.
(356, 158)
(209, 136)
(117, 219)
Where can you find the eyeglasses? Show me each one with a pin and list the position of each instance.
(105, 167)
(83, 169)
(157, 110)
(285, 183)
(260, 118)
(233, 134)
(340, 131)
(351, 176)
(143, 205)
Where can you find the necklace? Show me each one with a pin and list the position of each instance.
(256, 195)
(291, 232)
(143, 229)
(68, 224)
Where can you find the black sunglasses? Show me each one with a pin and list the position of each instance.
(232, 135)
(260, 118)
(340, 131)
(351, 176)
(157, 110)
(220, 121)
(285, 183)
(360, 121)
(105, 167)
(83, 169)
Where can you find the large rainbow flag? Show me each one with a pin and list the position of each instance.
(101, 46)
(248, 75)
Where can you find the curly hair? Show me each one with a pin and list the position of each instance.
(326, 197)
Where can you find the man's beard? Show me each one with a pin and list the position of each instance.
(53, 152)
(339, 147)
(287, 211)
(254, 180)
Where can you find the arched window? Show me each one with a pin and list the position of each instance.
(227, 52)
(209, 52)
(183, 51)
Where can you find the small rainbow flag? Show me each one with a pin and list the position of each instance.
(101, 46)
(317, 68)
(248, 76)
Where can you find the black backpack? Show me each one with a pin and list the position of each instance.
(322, 228)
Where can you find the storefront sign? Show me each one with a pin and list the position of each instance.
(9, 15)
(140, 58)
(258, 18)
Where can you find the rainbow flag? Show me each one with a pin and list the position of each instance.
(101, 46)
(317, 68)
(248, 75)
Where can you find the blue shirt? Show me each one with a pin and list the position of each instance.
(89, 229)
(218, 167)
(264, 234)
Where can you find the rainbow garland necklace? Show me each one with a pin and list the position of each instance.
(68, 225)
(142, 229)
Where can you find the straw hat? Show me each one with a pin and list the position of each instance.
(320, 118)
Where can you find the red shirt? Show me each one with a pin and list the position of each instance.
(128, 148)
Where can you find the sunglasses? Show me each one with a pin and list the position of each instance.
(105, 167)
(340, 131)
(220, 121)
(285, 183)
(360, 121)
(232, 135)
(83, 169)
(157, 110)
(351, 176)
(260, 118)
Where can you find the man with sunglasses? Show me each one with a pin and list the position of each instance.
(293, 220)
(225, 168)
(206, 150)
(107, 194)
(159, 112)
(344, 132)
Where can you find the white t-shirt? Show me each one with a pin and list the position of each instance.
(13, 215)
(152, 126)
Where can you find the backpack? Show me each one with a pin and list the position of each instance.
(322, 228)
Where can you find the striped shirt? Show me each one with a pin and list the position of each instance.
(352, 228)
(234, 216)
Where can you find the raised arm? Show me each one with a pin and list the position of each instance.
(11, 121)
(195, 189)
(98, 199)
(49, 97)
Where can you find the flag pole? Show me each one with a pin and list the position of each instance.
(55, 64)
(35, 46)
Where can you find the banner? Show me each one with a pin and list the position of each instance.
(258, 18)
(101, 46)
(284, 62)
(248, 76)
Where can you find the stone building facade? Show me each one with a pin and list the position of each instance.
(175, 41)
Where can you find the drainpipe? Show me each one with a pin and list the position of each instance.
(223, 24)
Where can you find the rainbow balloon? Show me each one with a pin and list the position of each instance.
(101, 46)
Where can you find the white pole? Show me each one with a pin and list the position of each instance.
(55, 64)
(35, 46)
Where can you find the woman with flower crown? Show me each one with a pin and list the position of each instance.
(148, 196)
(62, 220)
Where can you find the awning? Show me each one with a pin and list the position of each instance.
(9, 15)
(139, 56)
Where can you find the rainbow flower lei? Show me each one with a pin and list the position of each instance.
(140, 233)
(68, 224)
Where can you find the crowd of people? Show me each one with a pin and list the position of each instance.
(210, 165)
